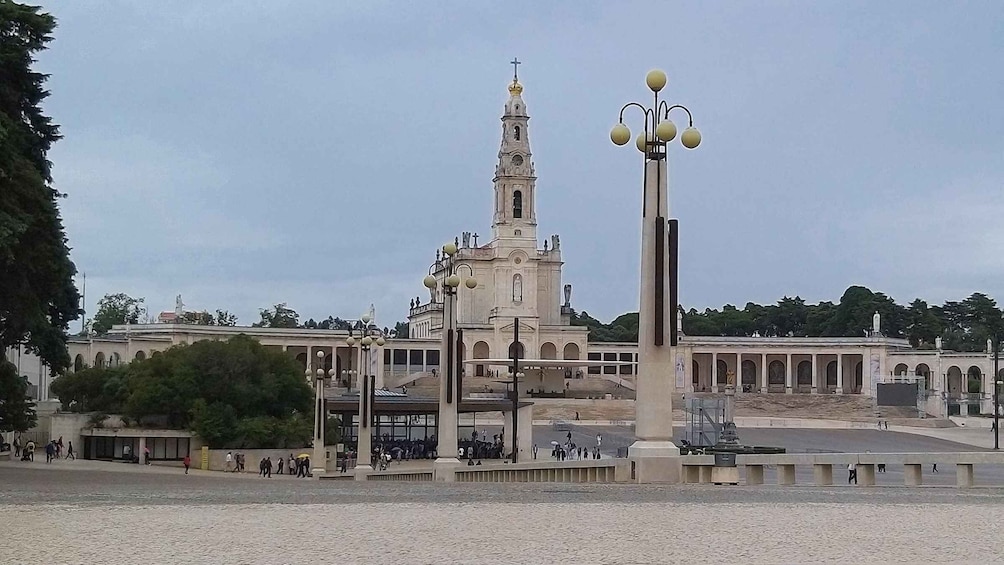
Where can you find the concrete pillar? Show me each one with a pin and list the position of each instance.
(763, 373)
(815, 375)
(840, 373)
(866, 474)
(655, 456)
(444, 468)
(525, 439)
(714, 372)
(141, 452)
(507, 430)
(754, 474)
(964, 475)
(787, 374)
(913, 475)
(739, 372)
(823, 474)
(785, 474)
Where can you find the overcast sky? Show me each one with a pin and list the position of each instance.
(317, 153)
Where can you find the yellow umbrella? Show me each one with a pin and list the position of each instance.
(302, 455)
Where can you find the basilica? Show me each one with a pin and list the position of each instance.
(518, 274)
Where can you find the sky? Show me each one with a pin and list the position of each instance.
(247, 153)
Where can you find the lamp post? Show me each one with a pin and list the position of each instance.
(367, 395)
(319, 459)
(516, 375)
(658, 293)
(444, 273)
(997, 391)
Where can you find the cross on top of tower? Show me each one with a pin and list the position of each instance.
(515, 63)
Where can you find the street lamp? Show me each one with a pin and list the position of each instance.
(997, 390)
(444, 272)
(367, 394)
(656, 369)
(319, 460)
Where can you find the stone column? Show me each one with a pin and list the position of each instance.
(444, 468)
(655, 456)
(739, 371)
(310, 359)
(787, 374)
(714, 372)
(840, 373)
(141, 452)
(763, 374)
(815, 375)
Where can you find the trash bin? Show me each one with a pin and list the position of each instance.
(725, 459)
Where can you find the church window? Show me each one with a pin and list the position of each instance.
(517, 204)
(519, 233)
(517, 288)
(515, 130)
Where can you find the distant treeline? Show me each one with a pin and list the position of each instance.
(963, 326)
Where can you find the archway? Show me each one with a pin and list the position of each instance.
(78, 363)
(954, 378)
(302, 360)
(721, 374)
(571, 351)
(831, 374)
(974, 380)
(749, 375)
(114, 360)
(775, 373)
(481, 351)
(99, 360)
(804, 374)
(140, 356)
(548, 351)
(516, 349)
(900, 370)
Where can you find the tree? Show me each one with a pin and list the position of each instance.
(400, 330)
(225, 318)
(38, 299)
(115, 310)
(233, 393)
(198, 319)
(279, 316)
(17, 411)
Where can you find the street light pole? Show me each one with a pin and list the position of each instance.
(654, 452)
(450, 381)
(515, 387)
(367, 397)
(997, 390)
(319, 459)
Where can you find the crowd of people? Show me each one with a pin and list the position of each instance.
(53, 450)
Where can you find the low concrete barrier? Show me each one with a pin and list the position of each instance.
(406, 475)
(699, 468)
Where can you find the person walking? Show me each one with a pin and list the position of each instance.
(230, 462)
(852, 473)
(188, 463)
(934, 467)
(535, 451)
(69, 451)
(50, 450)
(17, 446)
(278, 470)
(268, 467)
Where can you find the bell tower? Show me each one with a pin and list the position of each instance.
(515, 214)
